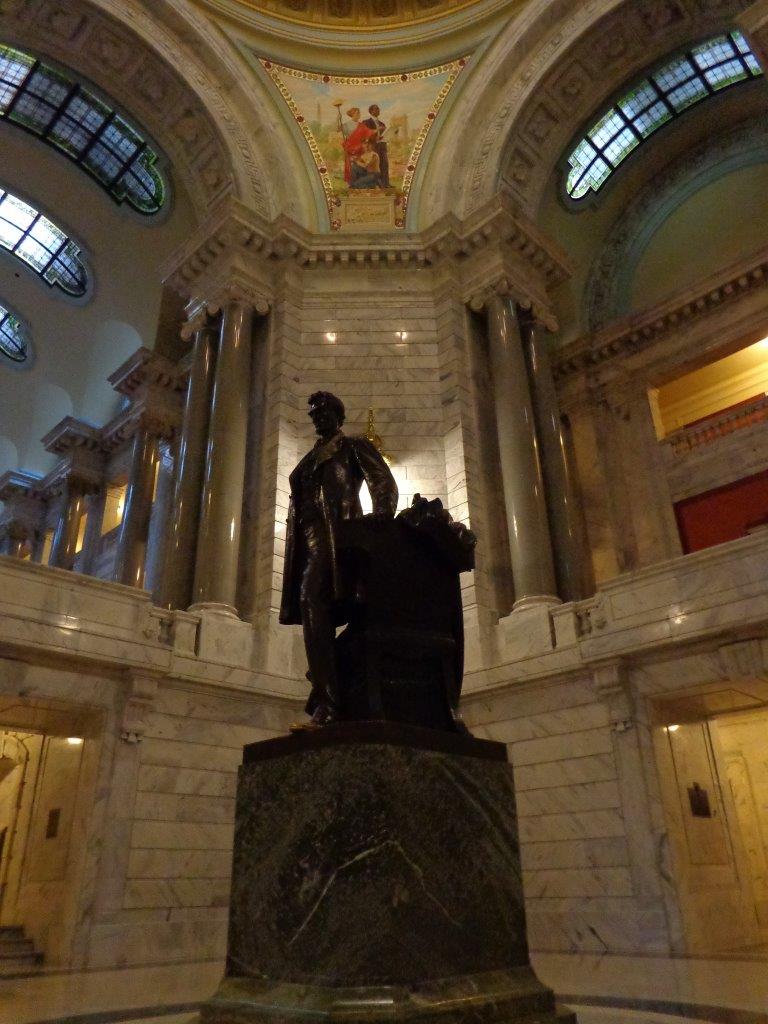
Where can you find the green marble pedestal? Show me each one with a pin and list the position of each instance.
(377, 877)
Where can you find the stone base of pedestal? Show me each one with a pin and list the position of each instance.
(501, 997)
(376, 876)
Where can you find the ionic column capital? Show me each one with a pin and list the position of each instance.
(242, 292)
(506, 288)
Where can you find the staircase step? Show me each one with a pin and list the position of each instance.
(11, 931)
(14, 947)
(21, 955)
(20, 964)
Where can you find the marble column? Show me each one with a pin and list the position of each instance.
(218, 542)
(562, 500)
(158, 522)
(134, 529)
(175, 589)
(92, 538)
(522, 477)
(14, 541)
(64, 547)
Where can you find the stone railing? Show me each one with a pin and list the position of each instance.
(718, 425)
(705, 597)
(87, 623)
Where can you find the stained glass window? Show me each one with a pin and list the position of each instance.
(680, 83)
(14, 344)
(69, 117)
(42, 245)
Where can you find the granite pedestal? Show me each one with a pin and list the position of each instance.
(376, 876)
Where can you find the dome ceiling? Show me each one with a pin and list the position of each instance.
(363, 15)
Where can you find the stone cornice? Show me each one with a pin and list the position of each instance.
(235, 248)
(17, 483)
(70, 434)
(142, 368)
(155, 388)
(639, 331)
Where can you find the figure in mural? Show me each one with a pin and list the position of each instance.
(375, 124)
(410, 103)
(352, 143)
(325, 491)
(366, 169)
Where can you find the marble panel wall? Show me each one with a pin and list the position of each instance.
(174, 897)
(576, 861)
(374, 349)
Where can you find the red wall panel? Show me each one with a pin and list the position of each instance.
(722, 514)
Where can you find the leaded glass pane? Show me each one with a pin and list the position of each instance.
(621, 146)
(638, 100)
(42, 245)
(653, 118)
(687, 94)
(679, 84)
(713, 52)
(49, 104)
(606, 128)
(13, 343)
(14, 68)
(675, 73)
(726, 74)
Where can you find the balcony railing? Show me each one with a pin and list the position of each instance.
(707, 431)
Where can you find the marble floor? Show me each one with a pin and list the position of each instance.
(602, 990)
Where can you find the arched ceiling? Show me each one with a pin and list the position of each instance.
(359, 15)
(360, 36)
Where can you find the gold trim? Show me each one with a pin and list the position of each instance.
(359, 15)
(277, 72)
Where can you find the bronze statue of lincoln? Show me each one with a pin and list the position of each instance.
(325, 490)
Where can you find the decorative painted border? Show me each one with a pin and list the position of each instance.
(275, 70)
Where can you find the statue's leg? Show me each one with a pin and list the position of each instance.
(319, 630)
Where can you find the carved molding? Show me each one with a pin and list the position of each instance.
(138, 64)
(611, 275)
(549, 71)
(239, 255)
(634, 333)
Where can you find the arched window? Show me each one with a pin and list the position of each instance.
(14, 340)
(37, 241)
(69, 117)
(654, 101)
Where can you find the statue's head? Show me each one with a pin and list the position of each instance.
(326, 412)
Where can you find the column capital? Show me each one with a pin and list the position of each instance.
(81, 451)
(198, 319)
(504, 287)
(244, 292)
(19, 489)
(155, 387)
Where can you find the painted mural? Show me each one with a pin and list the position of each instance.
(365, 135)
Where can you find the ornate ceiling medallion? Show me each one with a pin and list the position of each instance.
(365, 135)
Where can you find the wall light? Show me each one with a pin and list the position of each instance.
(402, 335)
(330, 336)
(671, 728)
(74, 741)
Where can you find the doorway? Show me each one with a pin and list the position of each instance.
(713, 772)
(49, 761)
